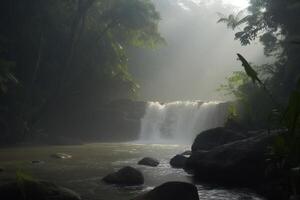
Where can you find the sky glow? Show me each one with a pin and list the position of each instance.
(238, 4)
(242, 4)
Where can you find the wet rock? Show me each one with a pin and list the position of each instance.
(187, 153)
(149, 162)
(61, 156)
(37, 162)
(295, 197)
(125, 176)
(239, 162)
(36, 190)
(178, 161)
(172, 191)
(212, 138)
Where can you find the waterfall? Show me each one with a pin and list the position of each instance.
(180, 121)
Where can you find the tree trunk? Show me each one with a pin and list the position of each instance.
(82, 9)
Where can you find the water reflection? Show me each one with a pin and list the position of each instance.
(90, 163)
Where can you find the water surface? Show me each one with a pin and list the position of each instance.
(91, 162)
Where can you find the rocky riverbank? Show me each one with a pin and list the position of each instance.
(238, 158)
(84, 171)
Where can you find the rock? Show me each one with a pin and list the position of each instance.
(215, 137)
(172, 191)
(125, 176)
(187, 153)
(37, 162)
(149, 162)
(61, 156)
(178, 161)
(240, 162)
(36, 190)
(295, 197)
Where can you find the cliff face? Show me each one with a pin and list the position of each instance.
(119, 120)
(116, 121)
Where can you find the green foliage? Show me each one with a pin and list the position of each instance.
(232, 115)
(62, 52)
(116, 25)
(22, 176)
(233, 85)
(275, 24)
(249, 113)
(22, 179)
(233, 21)
(232, 112)
(248, 69)
(136, 21)
(286, 148)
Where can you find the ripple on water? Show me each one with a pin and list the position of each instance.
(84, 171)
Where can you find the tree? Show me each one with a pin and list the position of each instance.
(233, 21)
(67, 51)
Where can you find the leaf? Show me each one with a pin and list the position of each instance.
(232, 20)
(249, 70)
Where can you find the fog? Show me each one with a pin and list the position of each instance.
(198, 56)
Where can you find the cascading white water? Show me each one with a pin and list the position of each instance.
(180, 121)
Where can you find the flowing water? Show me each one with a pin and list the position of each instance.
(91, 162)
(179, 122)
(163, 126)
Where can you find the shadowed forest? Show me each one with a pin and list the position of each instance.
(61, 59)
(77, 84)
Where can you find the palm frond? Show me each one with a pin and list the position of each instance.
(221, 15)
(232, 20)
(240, 14)
(222, 20)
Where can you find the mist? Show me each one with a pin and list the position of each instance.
(198, 56)
(125, 99)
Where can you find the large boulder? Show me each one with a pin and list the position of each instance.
(149, 162)
(172, 191)
(240, 162)
(125, 176)
(35, 190)
(215, 137)
(178, 161)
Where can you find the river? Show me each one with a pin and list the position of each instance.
(91, 162)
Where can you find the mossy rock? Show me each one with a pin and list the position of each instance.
(35, 190)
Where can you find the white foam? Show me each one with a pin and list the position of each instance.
(180, 121)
